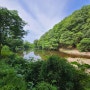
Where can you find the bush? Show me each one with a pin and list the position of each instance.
(5, 51)
(9, 79)
(39, 75)
(45, 86)
(32, 72)
(84, 45)
(57, 71)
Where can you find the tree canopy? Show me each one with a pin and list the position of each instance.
(11, 27)
(69, 32)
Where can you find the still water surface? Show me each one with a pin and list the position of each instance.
(42, 54)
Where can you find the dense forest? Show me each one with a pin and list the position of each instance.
(55, 73)
(71, 32)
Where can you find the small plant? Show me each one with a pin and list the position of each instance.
(84, 45)
(45, 86)
(5, 51)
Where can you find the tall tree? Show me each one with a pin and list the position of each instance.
(11, 25)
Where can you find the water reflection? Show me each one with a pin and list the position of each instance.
(31, 54)
(42, 54)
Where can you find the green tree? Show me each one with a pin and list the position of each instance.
(15, 44)
(36, 43)
(11, 26)
(84, 45)
(67, 38)
(69, 32)
(28, 45)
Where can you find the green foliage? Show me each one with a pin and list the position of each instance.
(15, 44)
(28, 45)
(69, 32)
(33, 72)
(9, 79)
(45, 86)
(67, 38)
(35, 43)
(84, 45)
(5, 51)
(11, 28)
(82, 67)
(88, 84)
(57, 71)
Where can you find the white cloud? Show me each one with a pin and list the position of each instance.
(40, 15)
(48, 12)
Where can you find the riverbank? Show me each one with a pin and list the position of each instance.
(74, 51)
(79, 60)
(77, 53)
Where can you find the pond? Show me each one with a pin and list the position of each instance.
(42, 54)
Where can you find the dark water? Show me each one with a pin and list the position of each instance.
(42, 54)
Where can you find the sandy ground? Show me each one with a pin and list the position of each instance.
(80, 60)
(76, 52)
(83, 60)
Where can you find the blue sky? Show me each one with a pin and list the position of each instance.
(42, 15)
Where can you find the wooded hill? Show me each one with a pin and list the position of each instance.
(73, 31)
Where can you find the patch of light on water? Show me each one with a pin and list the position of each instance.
(31, 55)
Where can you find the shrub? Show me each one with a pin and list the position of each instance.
(9, 79)
(32, 72)
(5, 51)
(45, 86)
(84, 45)
(57, 71)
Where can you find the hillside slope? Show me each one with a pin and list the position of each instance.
(73, 31)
